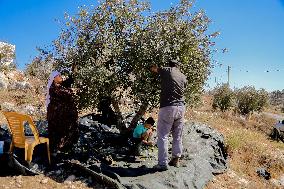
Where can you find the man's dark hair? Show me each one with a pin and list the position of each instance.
(150, 121)
(282, 121)
(174, 63)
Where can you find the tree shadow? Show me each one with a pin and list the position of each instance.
(12, 165)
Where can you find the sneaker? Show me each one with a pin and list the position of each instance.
(161, 167)
(174, 162)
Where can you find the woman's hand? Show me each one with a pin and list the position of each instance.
(150, 143)
(154, 68)
(74, 90)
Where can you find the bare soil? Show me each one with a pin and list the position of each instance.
(38, 182)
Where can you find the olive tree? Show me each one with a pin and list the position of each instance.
(115, 43)
(223, 97)
(250, 100)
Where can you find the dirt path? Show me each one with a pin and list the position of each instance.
(274, 116)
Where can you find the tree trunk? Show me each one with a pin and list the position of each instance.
(120, 125)
(138, 115)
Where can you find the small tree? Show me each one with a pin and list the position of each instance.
(223, 97)
(250, 100)
(40, 67)
(7, 56)
(115, 43)
(262, 99)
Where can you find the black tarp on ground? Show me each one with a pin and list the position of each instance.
(204, 155)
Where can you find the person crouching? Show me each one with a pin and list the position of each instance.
(142, 134)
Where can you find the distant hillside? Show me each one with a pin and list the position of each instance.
(19, 92)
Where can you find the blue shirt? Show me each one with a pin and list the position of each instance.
(139, 130)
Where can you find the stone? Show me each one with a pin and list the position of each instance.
(44, 181)
(19, 185)
(262, 172)
(19, 85)
(3, 84)
(29, 109)
(281, 180)
(58, 172)
(71, 178)
(6, 106)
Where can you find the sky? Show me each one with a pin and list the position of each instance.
(251, 30)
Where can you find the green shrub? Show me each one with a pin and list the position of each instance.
(249, 100)
(223, 98)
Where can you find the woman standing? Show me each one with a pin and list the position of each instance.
(62, 114)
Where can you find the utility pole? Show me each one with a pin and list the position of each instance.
(229, 68)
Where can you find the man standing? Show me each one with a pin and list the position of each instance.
(171, 113)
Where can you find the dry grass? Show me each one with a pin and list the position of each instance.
(248, 144)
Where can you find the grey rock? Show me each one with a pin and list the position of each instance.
(281, 180)
(19, 85)
(262, 172)
(29, 109)
(70, 178)
(3, 84)
(58, 172)
(6, 106)
(3, 81)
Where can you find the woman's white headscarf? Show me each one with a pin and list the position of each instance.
(50, 81)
